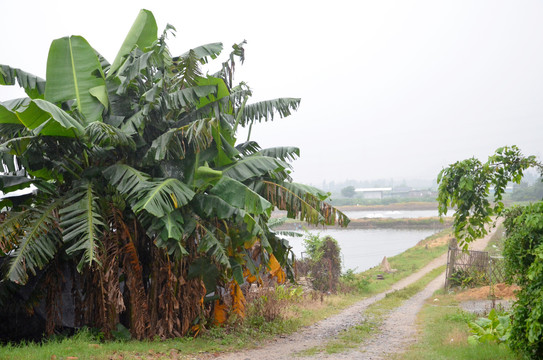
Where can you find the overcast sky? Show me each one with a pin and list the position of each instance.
(389, 89)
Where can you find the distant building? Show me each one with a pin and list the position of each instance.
(403, 192)
(373, 193)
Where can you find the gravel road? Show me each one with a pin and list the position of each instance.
(399, 324)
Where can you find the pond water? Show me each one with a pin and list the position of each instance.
(362, 249)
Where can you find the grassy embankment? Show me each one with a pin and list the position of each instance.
(299, 312)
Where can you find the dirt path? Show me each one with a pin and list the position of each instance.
(398, 325)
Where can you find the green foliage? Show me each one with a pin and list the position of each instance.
(324, 262)
(121, 333)
(352, 282)
(443, 334)
(139, 180)
(523, 252)
(494, 328)
(466, 185)
(467, 279)
(313, 245)
(290, 293)
(460, 317)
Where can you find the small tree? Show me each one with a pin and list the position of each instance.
(467, 186)
(348, 191)
(324, 263)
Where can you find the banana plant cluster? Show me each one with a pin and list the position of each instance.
(134, 176)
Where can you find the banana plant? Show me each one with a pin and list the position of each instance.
(137, 176)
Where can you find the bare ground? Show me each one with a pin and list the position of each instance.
(398, 326)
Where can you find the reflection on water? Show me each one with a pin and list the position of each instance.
(364, 248)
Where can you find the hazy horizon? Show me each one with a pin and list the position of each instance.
(389, 89)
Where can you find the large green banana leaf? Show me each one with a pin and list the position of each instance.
(142, 34)
(74, 72)
(190, 96)
(211, 245)
(266, 110)
(222, 90)
(104, 135)
(171, 232)
(7, 116)
(240, 196)
(253, 166)
(210, 206)
(158, 197)
(44, 118)
(202, 52)
(38, 244)
(126, 179)
(301, 201)
(161, 197)
(40, 116)
(82, 224)
(33, 85)
(285, 153)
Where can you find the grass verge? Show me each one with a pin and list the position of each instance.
(444, 333)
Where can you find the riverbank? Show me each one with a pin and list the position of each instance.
(434, 223)
(415, 205)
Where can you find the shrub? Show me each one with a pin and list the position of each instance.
(350, 282)
(324, 262)
(467, 279)
(494, 328)
(523, 252)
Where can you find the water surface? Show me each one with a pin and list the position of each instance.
(362, 249)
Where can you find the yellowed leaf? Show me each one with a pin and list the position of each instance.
(238, 300)
(220, 313)
(276, 270)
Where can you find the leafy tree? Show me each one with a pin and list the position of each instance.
(348, 191)
(139, 179)
(467, 186)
